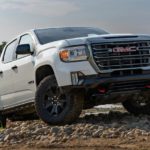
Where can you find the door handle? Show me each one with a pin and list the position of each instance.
(14, 67)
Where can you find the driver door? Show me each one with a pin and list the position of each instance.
(24, 78)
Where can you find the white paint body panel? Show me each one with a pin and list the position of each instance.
(14, 85)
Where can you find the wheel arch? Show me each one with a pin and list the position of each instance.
(42, 72)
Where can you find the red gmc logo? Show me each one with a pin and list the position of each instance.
(124, 49)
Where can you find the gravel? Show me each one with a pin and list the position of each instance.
(115, 124)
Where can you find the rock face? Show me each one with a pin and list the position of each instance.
(100, 125)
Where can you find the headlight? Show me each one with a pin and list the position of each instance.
(70, 54)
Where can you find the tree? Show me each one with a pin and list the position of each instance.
(2, 45)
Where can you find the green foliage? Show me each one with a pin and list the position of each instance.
(2, 45)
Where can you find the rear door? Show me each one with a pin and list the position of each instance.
(7, 94)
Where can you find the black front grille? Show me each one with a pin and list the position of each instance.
(128, 86)
(126, 73)
(106, 59)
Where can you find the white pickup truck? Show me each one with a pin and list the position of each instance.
(57, 72)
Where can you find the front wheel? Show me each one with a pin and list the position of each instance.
(55, 107)
(138, 104)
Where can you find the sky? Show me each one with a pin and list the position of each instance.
(115, 16)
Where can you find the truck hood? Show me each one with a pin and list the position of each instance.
(108, 38)
(94, 39)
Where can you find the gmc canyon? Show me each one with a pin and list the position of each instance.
(57, 72)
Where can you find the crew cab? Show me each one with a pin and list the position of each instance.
(54, 73)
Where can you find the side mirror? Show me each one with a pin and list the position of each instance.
(23, 49)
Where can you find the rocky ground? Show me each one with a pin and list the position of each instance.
(99, 128)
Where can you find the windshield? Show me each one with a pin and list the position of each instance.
(54, 34)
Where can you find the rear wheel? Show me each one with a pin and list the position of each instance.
(138, 104)
(32, 116)
(2, 121)
(55, 107)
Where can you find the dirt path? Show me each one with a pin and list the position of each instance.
(91, 144)
(96, 129)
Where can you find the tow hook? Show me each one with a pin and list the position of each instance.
(147, 86)
(102, 90)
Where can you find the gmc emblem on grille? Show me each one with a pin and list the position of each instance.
(124, 49)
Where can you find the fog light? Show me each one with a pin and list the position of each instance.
(77, 78)
(74, 77)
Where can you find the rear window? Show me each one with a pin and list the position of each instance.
(54, 34)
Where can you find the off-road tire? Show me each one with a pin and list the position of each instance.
(131, 106)
(71, 112)
(26, 117)
(2, 121)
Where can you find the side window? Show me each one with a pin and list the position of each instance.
(25, 39)
(9, 52)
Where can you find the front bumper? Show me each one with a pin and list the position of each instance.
(96, 80)
(116, 84)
